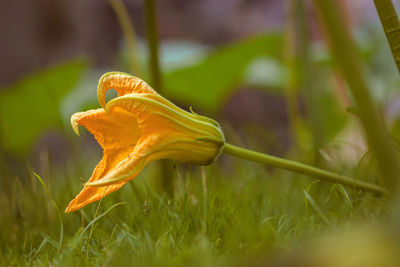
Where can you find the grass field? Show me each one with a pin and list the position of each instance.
(230, 213)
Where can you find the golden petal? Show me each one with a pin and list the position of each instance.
(91, 194)
(118, 134)
(178, 136)
(131, 166)
(156, 116)
(123, 83)
(111, 160)
(117, 130)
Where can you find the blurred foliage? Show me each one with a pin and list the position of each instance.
(207, 84)
(331, 116)
(31, 106)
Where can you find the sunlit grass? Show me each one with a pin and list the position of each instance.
(218, 216)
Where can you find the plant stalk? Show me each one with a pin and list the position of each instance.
(305, 127)
(129, 34)
(295, 59)
(391, 26)
(156, 81)
(153, 44)
(301, 168)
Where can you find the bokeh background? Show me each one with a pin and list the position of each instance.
(248, 91)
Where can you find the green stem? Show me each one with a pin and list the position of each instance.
(301, 168)
(391, 26)
(157, 83)
(129, 34)
(293, 59)
(152, 41)
(298, 84)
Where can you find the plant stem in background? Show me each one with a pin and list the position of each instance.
(129, 34)
(301, 168)
(156, 80)
(391, 26)
(349, 61)
(152, 42)
(297, 60)
(295, 77)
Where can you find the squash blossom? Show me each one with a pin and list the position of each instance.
(137, 127)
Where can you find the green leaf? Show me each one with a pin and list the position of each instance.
(331, 116)
(207, 84)
(32, 105)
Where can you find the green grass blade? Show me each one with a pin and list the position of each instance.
(59, 214)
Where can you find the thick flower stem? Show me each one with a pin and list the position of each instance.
(391, 26)
(153, 45)
(301, 168)
(156, 80)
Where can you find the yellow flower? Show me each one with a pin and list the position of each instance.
(137, 127)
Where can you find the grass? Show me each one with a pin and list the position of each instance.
(222, 215)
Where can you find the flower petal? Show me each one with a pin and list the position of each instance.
(117, 133)
(108, 177)
(117, 130)
(90, 194)
(130, 167)
(172, 133)
(155, 114)
(123, 83)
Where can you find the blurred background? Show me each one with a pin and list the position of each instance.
(228, 59)
(259, 67)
